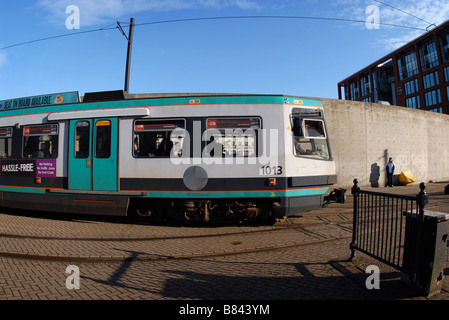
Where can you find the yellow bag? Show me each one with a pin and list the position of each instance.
(406, 178)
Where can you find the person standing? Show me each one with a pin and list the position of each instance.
(390, 171)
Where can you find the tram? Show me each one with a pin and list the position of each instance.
(197, 157)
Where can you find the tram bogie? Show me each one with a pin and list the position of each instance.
(198, 158)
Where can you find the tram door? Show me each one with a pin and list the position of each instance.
(93, 154)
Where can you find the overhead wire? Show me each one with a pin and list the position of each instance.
(55, 37)
(203, 19)
(274, 17)
(407, 13)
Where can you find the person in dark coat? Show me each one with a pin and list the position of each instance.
(390, 171)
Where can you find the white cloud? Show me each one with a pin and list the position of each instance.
(391, 44)
(420, 15)
(410, 13)
(103, 11)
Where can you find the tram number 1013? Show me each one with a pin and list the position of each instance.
(270, 170)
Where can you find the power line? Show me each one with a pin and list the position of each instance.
(55, 37)
(203, 19)
(276, 17)
(408, 13)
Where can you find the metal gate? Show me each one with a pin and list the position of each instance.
(379, 226)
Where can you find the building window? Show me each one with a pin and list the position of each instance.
(446, 74)
(430, 80)
(429, 56)
(432, 97)
(437, 110)
(367, 99)
(411, 87)
(412, 102)
(365, 84)
(354, 89)
(444, 42)
(407, 65)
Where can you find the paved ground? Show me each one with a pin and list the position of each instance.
(130, 261)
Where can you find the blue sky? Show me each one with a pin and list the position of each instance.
(302, 57)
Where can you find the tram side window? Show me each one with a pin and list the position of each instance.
(82, 139)
(232, 137)
(40, 141)
(5, 142)
(158, 138)
(103, 139)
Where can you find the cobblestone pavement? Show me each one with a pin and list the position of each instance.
(132, 261)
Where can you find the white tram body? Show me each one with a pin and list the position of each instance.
(207, 157)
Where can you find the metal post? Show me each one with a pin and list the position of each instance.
(421, 200)
(355, 192)
(128, 59)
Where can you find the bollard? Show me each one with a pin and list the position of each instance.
(425, 247)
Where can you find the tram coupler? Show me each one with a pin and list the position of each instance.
(336, 195)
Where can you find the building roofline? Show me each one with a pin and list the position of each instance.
(400, 49)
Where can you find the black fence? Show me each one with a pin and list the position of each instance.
(379, 225)
(396, 230)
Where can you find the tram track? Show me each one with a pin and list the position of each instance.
(238, 242)
(91, 259)
(279, 226)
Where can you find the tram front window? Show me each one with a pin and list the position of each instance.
(311, 148)
(309, 139)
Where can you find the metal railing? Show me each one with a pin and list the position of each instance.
(379, 225)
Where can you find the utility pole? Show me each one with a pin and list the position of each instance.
(130, 44)
(128, 59)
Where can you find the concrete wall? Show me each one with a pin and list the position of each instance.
(364, 135)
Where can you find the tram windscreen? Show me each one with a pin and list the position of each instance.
(309, 139)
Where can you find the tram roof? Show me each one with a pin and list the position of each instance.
(72, 101)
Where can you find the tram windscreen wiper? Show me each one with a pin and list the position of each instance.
(316, 114)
